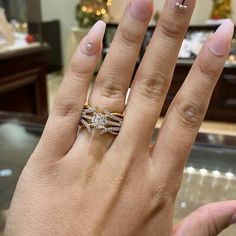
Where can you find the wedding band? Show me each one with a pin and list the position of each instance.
(105, 122)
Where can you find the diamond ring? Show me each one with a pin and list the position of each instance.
(106, 122)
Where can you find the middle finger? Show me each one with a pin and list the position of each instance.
(155, 73)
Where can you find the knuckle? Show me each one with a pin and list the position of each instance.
(159, 198)
(112, 88)
(209, 70)
(190, 113)
(129, 37)
(78, 73)
(172, 29)
(66, 107)
(152, 85)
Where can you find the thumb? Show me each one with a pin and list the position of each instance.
(208, 220)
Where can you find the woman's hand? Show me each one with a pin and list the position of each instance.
(81, 183)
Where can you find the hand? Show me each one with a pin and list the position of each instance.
(80, 183)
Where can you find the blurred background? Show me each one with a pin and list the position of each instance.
(37, 40)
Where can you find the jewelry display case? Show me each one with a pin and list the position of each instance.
(23, 60)
(223, 103)
(23, 20)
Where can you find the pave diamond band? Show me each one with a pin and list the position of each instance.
(106, 122)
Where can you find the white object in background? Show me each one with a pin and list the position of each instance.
(215, 22)
(196, 46)
(17, 46)
(185, 51)
(19, 43)
(5, 29)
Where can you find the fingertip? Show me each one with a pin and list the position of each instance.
(92, 42)
(141, 9)
(219, 43)
(226, 28)
(98, 30)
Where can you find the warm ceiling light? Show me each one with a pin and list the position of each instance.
(109, 3)
(103, 11)
(84, 9)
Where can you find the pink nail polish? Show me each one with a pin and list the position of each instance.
(92, 41)
(141, 9)
(219, 43)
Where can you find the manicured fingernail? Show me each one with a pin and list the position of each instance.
(219, 43)
(141, 9)
(92, 41)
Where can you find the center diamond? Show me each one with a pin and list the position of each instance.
(99, 121)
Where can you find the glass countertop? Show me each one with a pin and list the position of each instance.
(211, 165)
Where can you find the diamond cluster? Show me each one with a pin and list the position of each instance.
(106, 122)
(99, 121)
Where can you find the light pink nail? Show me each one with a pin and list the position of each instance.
(141, 9)
(219, 43)
(92, 41)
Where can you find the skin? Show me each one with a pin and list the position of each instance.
(86, 184)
